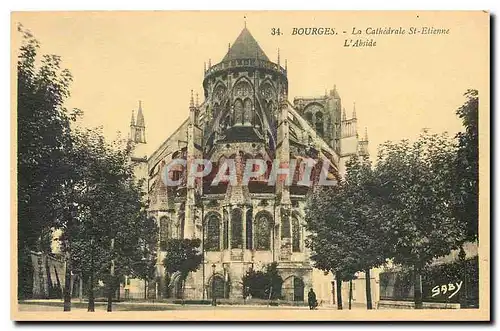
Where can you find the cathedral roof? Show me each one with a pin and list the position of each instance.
(245, 47)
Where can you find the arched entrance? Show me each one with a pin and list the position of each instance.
(298, 289)
(176, 286)
(219, 288)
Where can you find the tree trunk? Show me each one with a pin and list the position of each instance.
(111, 285)
(50, 288)
(463, 267)
(117, 289)
(145, 290)
(80, 288)
(350, 293)
(333, 292)
(183, 289)
(67, 283)
(110, 294)
(417, 288)
(91, 305)
(368, 289)
(338, 279)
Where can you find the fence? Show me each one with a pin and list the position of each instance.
(446, 283)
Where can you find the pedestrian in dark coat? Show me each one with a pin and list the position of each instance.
(311, 299)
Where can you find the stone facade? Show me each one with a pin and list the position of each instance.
(245, 115)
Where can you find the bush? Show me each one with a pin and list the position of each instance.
(260, 283)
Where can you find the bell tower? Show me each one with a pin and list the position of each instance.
(137, 137)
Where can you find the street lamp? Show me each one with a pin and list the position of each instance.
(214, 299)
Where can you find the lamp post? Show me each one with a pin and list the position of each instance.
(214, 299)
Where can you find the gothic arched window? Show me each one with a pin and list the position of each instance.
(225, 230)
(263, 224)
(247, 115)
(309, 117)
(249, 234)
(212, 233)
(319, 123)
(164, 232)
(238, 112)
(270, 107)
(236, 228)
(285, 224)
(296, 235)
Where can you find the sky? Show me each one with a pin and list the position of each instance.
(402, 85)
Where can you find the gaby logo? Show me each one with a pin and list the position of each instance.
(236, 172)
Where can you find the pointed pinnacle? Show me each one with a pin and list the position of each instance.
(354, 110)
(191, 101)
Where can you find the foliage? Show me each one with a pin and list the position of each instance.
(74, 180)
(109, 226)
(43, 132)
(145, 268)
(183, 255)
(347, 224)
(466, 189)
(419, 202)
(260, 283)
(417, 179)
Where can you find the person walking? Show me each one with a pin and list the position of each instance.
(311, 299)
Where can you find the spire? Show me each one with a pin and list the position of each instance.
(354, 110)
(366, 134)
(286, 65)
(245, 47)
(197, 102)
(278, 57)
(344, 117)
(335, 94)
(191, 101)
(132, 119)
(140, 116)
(209, 63)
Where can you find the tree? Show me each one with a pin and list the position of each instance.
(107, 238)
(183, 256)
(368, 233)
(263, 284)
(144, 266)
(465, 203)
(347, 226)
(329, 221)
(417, 182)
(43, 132)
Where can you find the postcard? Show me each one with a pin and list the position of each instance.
(257, 166)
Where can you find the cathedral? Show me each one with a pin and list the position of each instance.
(245, 114)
